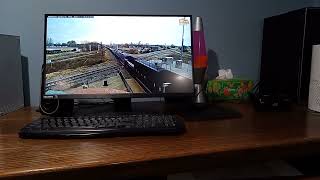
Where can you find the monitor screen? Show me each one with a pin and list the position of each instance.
(117, 55)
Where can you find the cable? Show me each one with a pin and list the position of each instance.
(43, 109)
(203, 88)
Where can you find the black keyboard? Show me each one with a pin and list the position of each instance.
(110, 125)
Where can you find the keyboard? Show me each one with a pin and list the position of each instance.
(110, 125)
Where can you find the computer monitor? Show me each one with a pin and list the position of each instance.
(115, 56)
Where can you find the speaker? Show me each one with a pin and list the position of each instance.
(56, 107)
(286, 53)
(11, 90)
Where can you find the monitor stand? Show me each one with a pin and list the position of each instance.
(122, 104)
(207, 111)
(189, 101)
(182, 99)
(185, 109)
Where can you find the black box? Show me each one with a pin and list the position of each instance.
(286, 53)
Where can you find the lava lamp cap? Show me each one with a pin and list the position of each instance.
(198, 26)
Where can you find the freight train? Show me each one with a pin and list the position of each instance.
(152, 77)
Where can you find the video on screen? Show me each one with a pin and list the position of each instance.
(118, 55)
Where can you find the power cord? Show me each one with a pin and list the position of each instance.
(46, 112)
(203, 89)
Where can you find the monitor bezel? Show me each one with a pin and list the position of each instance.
(111, 96)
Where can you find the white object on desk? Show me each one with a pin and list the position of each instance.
(314, 86)
(225, 74)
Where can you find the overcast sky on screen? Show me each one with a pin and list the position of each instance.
(119, 30)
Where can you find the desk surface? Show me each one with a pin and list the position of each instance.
(254, 135)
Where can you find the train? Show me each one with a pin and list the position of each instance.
(56, 50)
(151, 76)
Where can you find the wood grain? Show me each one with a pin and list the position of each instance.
(256, 135)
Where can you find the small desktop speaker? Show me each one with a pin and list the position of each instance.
(11, 82)
(314, 87)
(287, 52)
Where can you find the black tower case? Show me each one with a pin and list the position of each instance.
(286, 53)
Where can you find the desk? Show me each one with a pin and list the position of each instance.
(206, 144)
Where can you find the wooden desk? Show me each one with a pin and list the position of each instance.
(255, 136)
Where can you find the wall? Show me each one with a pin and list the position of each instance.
(316, 3)
(233, 28)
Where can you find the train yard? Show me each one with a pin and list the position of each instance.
(156, 72)
(108, 70)
(105, 76)
(168, 59)
(90, 76)
(172, 52)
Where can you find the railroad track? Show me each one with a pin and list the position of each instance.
(69, 55)
(125, 82)
(87, 77)
(71, 58)
(184, 54)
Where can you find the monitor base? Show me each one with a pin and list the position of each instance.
(169, 100)
(187, 110)
(122, 104)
